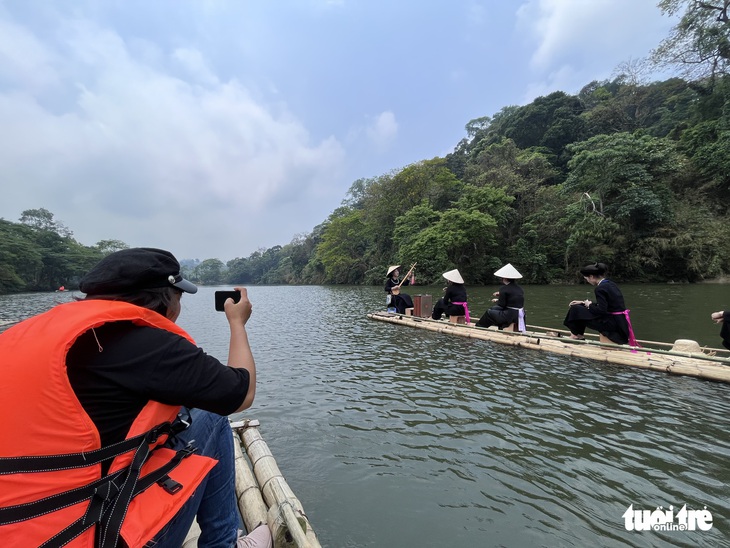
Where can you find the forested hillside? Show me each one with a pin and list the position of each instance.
(40, 253)
(631, 173)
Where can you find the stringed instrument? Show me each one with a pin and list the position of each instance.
(395, 290)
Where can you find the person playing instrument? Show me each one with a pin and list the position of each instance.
(453, 303)
(396, 298)
(98, 382)
(723, 317)
(509, 301)
(608, 315)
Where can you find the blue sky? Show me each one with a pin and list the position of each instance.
(215, 128)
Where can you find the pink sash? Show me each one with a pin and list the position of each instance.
(632, 337)
(466, 311)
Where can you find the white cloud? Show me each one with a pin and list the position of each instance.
(139, 153)
(383, 130)
(576, 41)
(561, 78)
(24, 59)
(192, 60)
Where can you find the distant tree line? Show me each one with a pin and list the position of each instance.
(39, 253)
(632, 173)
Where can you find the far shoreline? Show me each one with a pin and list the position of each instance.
(720, 280)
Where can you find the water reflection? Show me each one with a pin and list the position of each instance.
(392, 436)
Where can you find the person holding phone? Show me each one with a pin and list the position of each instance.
(117, 369)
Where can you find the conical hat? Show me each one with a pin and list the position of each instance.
(509, 272)
(391, 269)
(453, 276)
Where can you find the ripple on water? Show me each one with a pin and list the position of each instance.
(398, 437)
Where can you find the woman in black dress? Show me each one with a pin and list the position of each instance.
(453, 303)
(400, 301)
(509, 302)
(608, 315)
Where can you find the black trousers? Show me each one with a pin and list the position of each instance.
(448, 309)
(501, 317)
(401, 302)
(614, 327)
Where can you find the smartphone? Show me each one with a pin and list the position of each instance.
(222, 296)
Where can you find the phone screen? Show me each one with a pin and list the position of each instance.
(222, 296)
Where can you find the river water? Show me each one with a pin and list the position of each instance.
(396, 437)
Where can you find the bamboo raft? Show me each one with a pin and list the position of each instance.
(706, 363)
(263, 494)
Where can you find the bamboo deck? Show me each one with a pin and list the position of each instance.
(263, 494)
(708, 363)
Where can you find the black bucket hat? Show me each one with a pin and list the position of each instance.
(135, 269)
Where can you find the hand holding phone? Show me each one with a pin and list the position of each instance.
(222, 296)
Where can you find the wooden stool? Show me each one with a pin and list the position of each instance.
(409, 312)
(457, 319)
(511, 327)
(603, 339)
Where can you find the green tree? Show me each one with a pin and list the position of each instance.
(625, 177)
(592, 237)
(699, 45)
(42, 220)
(20, 258)
(210, 272)
(708, 146)
(691, 248)
(343, 247)
(540, 246)
(239, 271)
(552, 122)
(110, 246)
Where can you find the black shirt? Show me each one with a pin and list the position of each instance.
(455, 293)
(138, 364)
(608, 299)
(511, 295)
(390, 283)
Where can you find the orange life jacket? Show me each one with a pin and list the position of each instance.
(52, 492)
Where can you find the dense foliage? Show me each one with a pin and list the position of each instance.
(40, 253)
(634, 174)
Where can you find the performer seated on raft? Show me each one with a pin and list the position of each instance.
(608, 315)
(723, 317)
(510, 302)
(453, 303)
(396, 298)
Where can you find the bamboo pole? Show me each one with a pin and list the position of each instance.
(658, 360)
(641, 341)
(248, 496)
(250, 502)
(566, 340)
(257, 474)
(289, 525)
